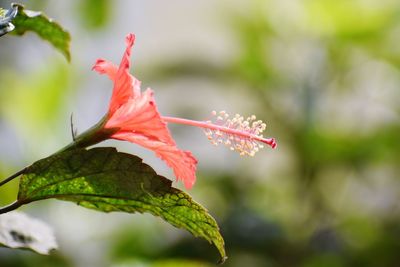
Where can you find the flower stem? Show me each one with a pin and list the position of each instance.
(12, 177)
(92, 136)
(15, 205)
(211, 126)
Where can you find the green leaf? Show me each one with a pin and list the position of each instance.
(106, 180)
(17, 230)
(47, 29)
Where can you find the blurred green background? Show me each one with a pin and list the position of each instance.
(324, 76)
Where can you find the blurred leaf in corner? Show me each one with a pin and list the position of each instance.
(94, 14)
(19, 20)
(17, 230)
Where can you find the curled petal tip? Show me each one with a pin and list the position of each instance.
(130, 39)
(97, 65)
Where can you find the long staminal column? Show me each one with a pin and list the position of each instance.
(241, 135)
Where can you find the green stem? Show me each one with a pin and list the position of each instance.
(12, 177)
(90, 137)
(16, 204)
(13, 206)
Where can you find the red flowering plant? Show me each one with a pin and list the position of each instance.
(107, 180)
(133, 116)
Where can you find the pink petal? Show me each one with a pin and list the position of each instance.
(139, 122)
(125, 85)
(103, 66)
(140, 115)
(182, 162)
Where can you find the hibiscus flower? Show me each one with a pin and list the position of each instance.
(133, 116)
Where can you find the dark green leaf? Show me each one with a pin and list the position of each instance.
(17, 230)
(106, 180)
(47, 29)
